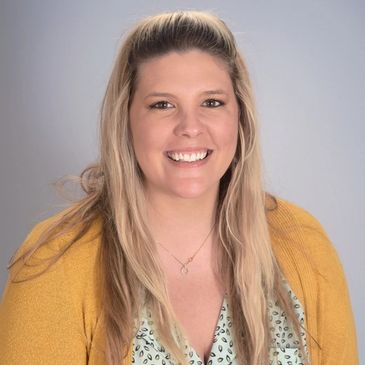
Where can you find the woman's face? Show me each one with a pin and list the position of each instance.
(184, 123)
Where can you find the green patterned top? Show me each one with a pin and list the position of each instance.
(284, 348)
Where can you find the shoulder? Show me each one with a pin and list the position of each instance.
(299, 237)
(79, 244)
(69, 260)
(289, 215)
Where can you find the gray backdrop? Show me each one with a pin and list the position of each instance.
(307, 65)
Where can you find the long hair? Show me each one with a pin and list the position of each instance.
(132, 274)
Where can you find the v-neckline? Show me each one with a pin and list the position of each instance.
(223, 309)
(221, 345)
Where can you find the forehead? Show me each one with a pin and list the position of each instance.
(179, 69)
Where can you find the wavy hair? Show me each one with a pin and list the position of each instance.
(132, 274)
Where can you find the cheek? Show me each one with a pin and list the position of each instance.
(141, 143)
(138, 138)
(149, 137)
(228, 135)
(148, 142)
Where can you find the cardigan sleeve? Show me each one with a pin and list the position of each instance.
(335, 320)
(336, 325)
(37, 317)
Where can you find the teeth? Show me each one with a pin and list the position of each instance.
(188, 157)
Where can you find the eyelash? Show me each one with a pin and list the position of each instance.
(155, 105)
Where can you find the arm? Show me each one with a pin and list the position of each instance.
(336, 327)
(335, 321)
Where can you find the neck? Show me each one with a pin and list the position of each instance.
(181, 224)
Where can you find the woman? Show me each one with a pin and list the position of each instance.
(177, 254)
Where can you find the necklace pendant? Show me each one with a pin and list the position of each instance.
(184, 270)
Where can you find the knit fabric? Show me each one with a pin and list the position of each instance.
(55, 317)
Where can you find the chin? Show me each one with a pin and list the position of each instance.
(193, 191)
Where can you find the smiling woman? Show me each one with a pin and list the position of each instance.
(177, 254)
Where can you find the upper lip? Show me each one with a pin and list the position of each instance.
(189, 150)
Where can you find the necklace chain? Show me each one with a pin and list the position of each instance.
(184, 269)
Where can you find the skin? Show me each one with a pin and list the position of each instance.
(181, 201)
(184, 118)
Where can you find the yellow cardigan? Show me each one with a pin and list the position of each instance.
(54, 319)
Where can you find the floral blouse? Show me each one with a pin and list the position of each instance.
(284, 348)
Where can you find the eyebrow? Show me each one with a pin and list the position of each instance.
(207, 92)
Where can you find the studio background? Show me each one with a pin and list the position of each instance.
(306, 61)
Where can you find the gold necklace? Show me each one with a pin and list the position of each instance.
(184, 269)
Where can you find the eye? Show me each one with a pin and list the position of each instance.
(163, 104)
(213, 103)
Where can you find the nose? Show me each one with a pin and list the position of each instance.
(189, 124)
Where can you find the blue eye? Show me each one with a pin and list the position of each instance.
(213, 103)
(161, 105)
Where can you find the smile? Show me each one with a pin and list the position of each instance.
(188, 157)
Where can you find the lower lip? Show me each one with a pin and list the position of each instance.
(184, 164)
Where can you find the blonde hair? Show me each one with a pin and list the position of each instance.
(132, 275)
